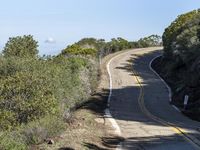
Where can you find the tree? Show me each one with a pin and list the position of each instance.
(78, 50)
(21, 46)
(198, 32)
(152, 40)
(123, 44)
(175, 29)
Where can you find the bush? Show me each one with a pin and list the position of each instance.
(25, 97)
(181, 42)
(38, 131)
(180, 34)
(32, 133)
(12, 141)
(77, 50)
(37, 95)
(21, 46)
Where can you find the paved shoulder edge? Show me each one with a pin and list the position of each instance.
(194, 141)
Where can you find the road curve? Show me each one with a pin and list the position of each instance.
(139, 99)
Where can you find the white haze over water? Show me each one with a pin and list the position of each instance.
(47, 48)
(51, 48)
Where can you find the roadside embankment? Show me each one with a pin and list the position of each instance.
(179, 89)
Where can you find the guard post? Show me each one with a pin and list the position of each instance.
(186, 98)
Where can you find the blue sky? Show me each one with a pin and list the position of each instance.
(62, 22)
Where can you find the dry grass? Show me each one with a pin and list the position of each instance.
(88, 129)
(82, 131)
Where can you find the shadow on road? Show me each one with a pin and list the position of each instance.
(120, 106)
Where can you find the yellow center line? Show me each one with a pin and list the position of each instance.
(173, 127)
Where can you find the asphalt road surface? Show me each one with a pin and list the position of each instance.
(140, 106)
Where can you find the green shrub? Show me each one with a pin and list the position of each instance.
(39, 130)
(31, 89)
(37, 95)
(78, 50)
(181, 35)
(21, 46)
(7, 119)
(33, 133)
(27, 96)
(12, 141)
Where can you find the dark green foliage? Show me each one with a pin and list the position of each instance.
(25, 97)
(21, 46)
(198, 31)
(98, 47)
(185, 26)
(153, 40)
(31, 88)
(118, 44)
(77, 50)
(12, 141)
(91, 43)
(26, 91)
(37, 94)
(181, 41)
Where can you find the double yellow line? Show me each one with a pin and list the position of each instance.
(178, 130)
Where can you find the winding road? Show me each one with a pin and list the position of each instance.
(140, 109)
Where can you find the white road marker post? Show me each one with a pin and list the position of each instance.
(186, 98)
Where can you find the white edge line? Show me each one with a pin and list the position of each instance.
(170, 94)
(176, 108)
(107, 110)
(169, 89)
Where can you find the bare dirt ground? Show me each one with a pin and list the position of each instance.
(88, 128)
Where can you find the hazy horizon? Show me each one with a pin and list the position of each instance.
(56, 24)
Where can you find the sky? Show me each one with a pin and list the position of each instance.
(58, 23)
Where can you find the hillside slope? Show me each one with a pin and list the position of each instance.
(180, 64)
